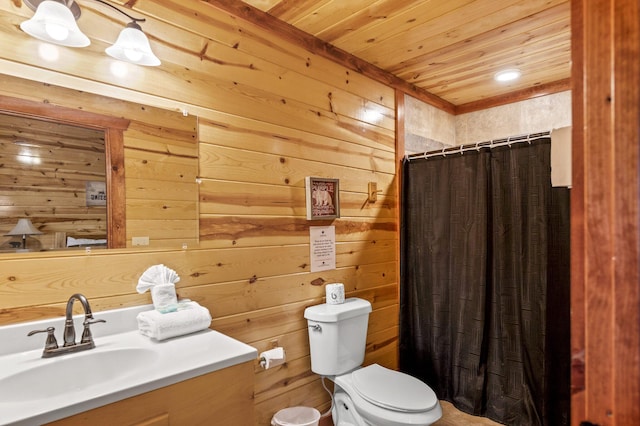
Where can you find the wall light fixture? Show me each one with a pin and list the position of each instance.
(54, 21)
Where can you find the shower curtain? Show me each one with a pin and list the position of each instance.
(484, 295)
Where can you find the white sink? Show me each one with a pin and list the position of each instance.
(124, 363)
(74, 373)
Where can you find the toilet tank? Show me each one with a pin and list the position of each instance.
(337, 335)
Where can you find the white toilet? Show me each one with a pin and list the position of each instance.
(363, 396)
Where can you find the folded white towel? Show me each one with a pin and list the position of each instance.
(189, 318)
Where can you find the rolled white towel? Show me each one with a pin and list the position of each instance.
(189, 318)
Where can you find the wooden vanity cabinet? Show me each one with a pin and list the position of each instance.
(224, 397)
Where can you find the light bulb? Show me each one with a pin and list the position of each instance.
(134, 55)
(56, 31)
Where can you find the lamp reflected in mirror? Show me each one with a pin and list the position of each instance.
(24, 228)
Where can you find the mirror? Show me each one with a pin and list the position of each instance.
(154, 202)
(34, 132)
(52, 174)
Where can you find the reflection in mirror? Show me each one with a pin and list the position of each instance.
(63, 170)
(52, 174)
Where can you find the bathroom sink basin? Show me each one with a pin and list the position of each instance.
(124, 363)
(74, 373)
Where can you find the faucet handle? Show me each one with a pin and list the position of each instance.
(51, 342)
(86, 333)
(88, 322)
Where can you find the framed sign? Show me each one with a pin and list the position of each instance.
(96, 194)
(323, 198)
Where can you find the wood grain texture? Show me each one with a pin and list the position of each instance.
(605, 296)
(194, 402)
(269, 113)
(450, 49)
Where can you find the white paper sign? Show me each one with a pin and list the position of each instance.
(323, 248)
(96, 193)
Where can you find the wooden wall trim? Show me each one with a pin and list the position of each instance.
(316, 46)
(116, 201)
(626, 174)
(605, 224)
(45, 111)
(520, 95)
(577, 218)
(400, 152)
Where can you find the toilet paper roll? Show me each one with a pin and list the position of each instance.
(335, 293)
(164, 298)
(272, 358)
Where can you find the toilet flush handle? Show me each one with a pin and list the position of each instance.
(316, 327)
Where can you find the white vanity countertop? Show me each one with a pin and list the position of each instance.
(123, 364)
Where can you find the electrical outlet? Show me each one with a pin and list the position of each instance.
(139, 241)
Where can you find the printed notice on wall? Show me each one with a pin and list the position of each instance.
(323, 248)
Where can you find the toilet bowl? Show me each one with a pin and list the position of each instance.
(377, 396)
(384, 397)
(363, 396)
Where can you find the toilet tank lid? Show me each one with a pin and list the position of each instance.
(351, 307)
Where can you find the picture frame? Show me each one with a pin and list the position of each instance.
(322, 198)
(96, 193)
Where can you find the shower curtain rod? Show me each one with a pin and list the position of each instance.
(477, 146)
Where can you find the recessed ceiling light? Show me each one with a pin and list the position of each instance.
(507, 75)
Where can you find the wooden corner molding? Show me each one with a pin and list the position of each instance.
(517, 96)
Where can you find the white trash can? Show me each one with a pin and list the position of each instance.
(296, 416)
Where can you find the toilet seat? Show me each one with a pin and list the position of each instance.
(393, 390)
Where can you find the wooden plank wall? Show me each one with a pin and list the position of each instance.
(269, 114)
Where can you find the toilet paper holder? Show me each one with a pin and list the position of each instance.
(272, 358)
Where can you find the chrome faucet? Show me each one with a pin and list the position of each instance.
(51, 348)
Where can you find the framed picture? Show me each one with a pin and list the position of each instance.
(96, 194)
(323, 198)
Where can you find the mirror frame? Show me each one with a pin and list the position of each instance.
(113, 128)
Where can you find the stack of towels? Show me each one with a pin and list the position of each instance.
(169, 318)
(188, 318)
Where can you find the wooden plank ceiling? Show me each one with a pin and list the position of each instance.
(448, 48)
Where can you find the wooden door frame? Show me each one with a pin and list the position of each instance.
(605, 299)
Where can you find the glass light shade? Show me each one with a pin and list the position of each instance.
(53, 22)
(133, 46)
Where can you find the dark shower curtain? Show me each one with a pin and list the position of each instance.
(484, 295)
